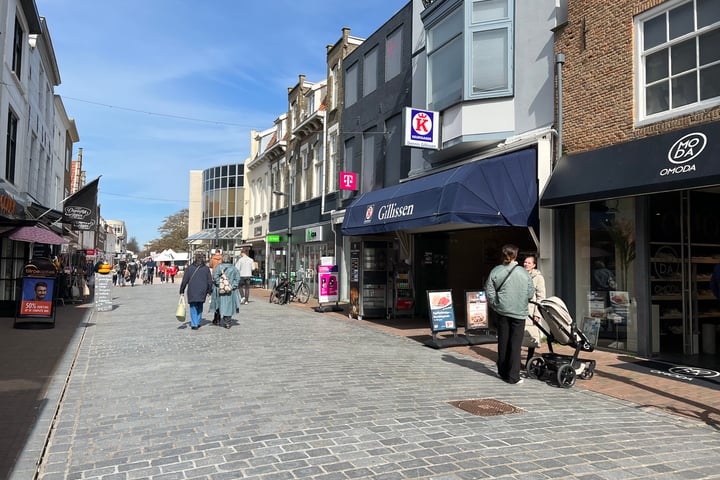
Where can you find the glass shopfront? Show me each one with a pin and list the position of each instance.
(605, 272)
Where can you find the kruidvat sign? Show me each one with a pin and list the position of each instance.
(422, 128)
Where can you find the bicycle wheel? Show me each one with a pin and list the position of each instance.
(303, 293)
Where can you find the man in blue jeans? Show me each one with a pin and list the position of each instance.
(508, 290)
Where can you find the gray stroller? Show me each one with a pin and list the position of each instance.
(563, 331)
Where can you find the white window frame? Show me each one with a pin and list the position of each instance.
(501, 24)
(641, 55)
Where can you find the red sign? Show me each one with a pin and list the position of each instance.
(90, 252)
(348, 181)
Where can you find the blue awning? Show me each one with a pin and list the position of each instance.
(502, 191)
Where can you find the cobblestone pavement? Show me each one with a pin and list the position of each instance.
(288, 393)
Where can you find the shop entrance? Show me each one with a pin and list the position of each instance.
(684, 249)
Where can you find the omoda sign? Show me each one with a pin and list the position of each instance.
(683, 151)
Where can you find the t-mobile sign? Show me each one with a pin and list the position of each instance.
(422, 128)
(348, 181)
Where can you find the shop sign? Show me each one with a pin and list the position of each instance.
(422, 128)
(348, 181)
(313, 234)
(686, 149)
(273, 239)
(328, 277)
(476, 309)
(442, 313)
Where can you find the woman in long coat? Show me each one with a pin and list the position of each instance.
(198, 281)
(227, 303)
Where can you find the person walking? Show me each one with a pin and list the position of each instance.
(199, 284)
(532, 338)
(215, 260)
(245, 267)
(226, 303)
(508, 291)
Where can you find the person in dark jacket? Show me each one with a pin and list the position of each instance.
(199, 283)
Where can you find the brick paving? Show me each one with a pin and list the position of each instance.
(289, 393)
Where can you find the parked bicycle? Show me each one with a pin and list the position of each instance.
(285, 291)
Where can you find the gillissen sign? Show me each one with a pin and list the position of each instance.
(390, 211)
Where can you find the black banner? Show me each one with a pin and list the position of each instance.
(80, 209)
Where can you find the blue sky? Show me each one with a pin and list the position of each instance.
(161, 87)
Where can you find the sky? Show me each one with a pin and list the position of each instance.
(158, 88)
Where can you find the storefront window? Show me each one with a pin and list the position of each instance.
(605, 265)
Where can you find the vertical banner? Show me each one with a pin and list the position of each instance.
(477, 310)
(80, 209)
(442, 314)
(354, 279)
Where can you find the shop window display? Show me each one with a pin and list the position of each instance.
(605, 271)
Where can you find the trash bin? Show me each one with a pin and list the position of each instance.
(708, 338)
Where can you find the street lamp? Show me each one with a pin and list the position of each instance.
(289, 227)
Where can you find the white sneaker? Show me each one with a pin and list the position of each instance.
(519, 382)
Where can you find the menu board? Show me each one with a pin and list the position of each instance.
(477, 310)
(103, 292)
(442, 314)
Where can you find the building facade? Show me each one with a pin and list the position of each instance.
(221, 206)
(440, 216)
(36, 144)
(636, 191)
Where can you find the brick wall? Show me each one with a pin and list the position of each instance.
(598, 76)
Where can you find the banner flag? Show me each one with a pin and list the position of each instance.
(80, 209)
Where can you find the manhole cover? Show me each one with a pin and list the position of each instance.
(486, 407)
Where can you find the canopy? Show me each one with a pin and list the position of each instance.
(678, 160)
(34, 234)
(501, 191)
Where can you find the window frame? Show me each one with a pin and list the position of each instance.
(393, 62)
(370, 75)
(352, 72)
(17, 49)
(11, 146)
(642, 54)
(466, 34)
(471, 28)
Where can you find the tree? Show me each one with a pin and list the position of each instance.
(132, 245)
(173, 233)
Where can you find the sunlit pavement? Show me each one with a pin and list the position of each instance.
(291, 393)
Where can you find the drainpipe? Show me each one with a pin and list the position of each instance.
(559, 61)
(324, 165)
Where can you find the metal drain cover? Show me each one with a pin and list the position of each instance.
(486, 407)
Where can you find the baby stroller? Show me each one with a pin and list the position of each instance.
(563, 331)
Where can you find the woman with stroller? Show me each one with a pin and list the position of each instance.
(225, 303)
(533, 338)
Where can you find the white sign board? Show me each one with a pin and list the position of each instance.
(422, 128)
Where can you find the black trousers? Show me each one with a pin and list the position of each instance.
(510, 337)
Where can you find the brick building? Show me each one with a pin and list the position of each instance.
(637, 189)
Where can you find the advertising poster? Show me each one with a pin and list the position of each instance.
(591, 329)
(37, 297)
(477, 310)
(442, 314)
(328, 281)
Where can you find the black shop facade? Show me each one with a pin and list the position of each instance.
(639, 227)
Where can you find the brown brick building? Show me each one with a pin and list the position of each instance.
(637, 190)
